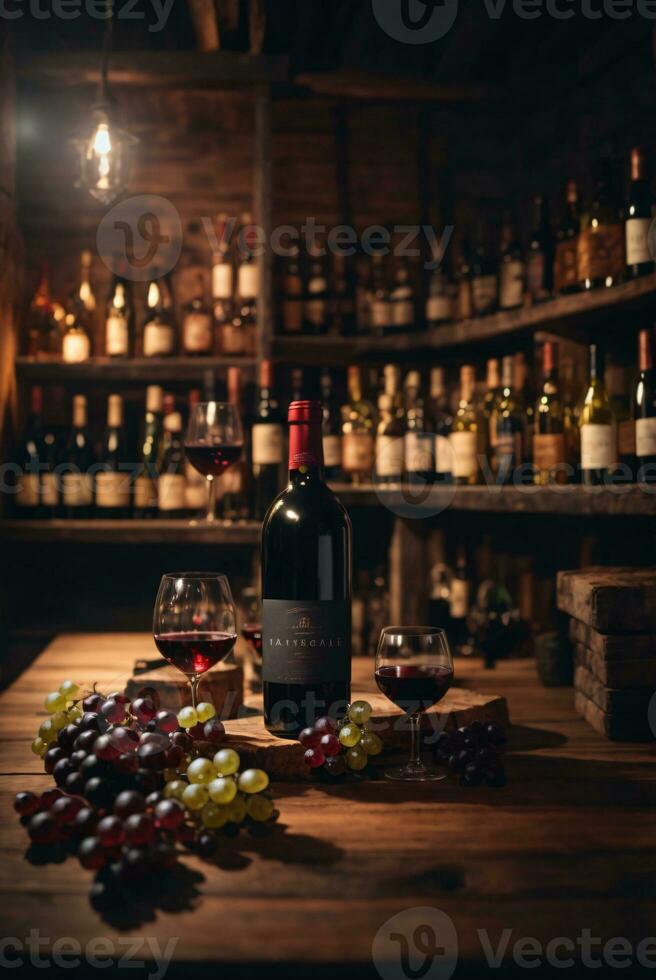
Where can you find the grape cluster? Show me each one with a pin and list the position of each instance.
(474, 753)
(337, 747)
(133, 781)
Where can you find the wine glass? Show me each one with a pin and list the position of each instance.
(414, 669)
(213, 443)
(194, 623)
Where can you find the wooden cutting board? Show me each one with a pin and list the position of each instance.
(611, 600)
(223, 686)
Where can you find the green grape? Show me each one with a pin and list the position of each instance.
(222, 790)
(253, 781)
(349, 735)
(205, 711)
(236, 811)
(213, 816)
(74, 713)
(187, 718)
(371, 743)
(175, 789)
(360, 712)
(227, 762)
(59, 720)
(356, 758)
(69, 689)
(259, 808)
(39, 747)
(201, 771)
(47, 731)
(195, 797)
(55, 702)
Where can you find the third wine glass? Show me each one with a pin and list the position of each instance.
(213, 444)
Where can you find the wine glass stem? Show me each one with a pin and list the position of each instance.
(211, 499)
(415, 744)
(194, 691)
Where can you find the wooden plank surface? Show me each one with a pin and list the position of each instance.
(547, 856)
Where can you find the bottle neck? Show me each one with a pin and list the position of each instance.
(596, 364)
(646, 351)
(305, 452)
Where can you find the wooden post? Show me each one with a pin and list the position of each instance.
(206, 28)
(408, 578)
(257, 25)
(262, 207)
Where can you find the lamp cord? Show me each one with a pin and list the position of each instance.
(106, 50)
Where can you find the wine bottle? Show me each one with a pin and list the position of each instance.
(76, 345)
(331, 431)
(197, 326)
(343, 320)
(638, 218)
(292, 293)
(540, 265)
(491, 398)
(525, 394)
(78, 459)
(459, 603)
(464, 434)
(508, 447)
(196, 483)
(484, 281)
(442, 425)
(566, 274)
(464, 304)
(172, 483)
(229, 335)
(512, 269)
(316, 306)
(233, 483)
(306, 589)
(600, 247)
(549, 439)
(402, 299)
(30, 455)
(645, 409)
(624, 470)
(118, 322)
(43, 339)
(389, 442)
(159, 331)
(596, 426)
(248, 286)
(380, 315)
(357, 431)
(267, 439)
(419, 441)
(112, 489)
(439, 307)
(145, 486)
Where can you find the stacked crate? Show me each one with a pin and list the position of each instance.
(613, 632)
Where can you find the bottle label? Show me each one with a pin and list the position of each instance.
(601, 252)
(49, 489)
(197, 333)
(459, 598)
(566, 268)
(438, 308)
(75, 348)
(443, 455)
(268, 444)
(464, 448)
(626, 437)
(597, 447)
(112, 490)
(171, 491)
(292, 315)
(379, 313)
(389, 456)
(248, 281)
(637, 241)
(306, 642)
(77, 489)
(403, 312)
(549, 450)
(232, 338)
(419, 452)
(157, 339)
(511, 291)
(28, 490)
(645, 430)
(222, 281)
(145, 492)
(484, 293)
(332, 451)
(315, 311)
(116, 332)
(358, 452)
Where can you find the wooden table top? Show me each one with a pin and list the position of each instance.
(568, 845)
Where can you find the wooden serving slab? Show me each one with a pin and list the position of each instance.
(283, 758)
(223, 686)
(611, 600)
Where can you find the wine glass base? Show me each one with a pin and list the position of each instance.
(414, 774)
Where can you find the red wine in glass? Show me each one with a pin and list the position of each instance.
(414, 687)
(252, 632)
(212, 460)
(195, 653)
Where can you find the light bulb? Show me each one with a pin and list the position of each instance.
(102, 141)
(153, 295)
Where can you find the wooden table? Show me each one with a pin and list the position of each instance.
(568, 845)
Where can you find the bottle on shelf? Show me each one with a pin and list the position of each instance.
(228, 339)
(566, 271)
(172, 483)
(459, 604)
(600, 249)
(30, 456)
(358, 425)
(43, 337)
(113, 479)
(484, 282)
(625, 430)
(248, 286)
(380, 314)
(464, 305)
(119, 318)
(233, 483)
(525, 393)
(146, 497)
(439, 600)
(540, 260)
(596, 425)
(50, 475)
(439, 304)
(508, 425)
(195, 481)
(645, 409)
(197, 324)
(159, 330)
(402, 299)
(267, 444)
(76, 345)
(491, 397)
(392, 387)
(78, 459)
(298, 388)
(638, 218)
(512, 269)
(292, 293)
(86, 300)
(316, 306)
(442, 425)
(419, 440)
(549, 455)
(306, 584)
(464, 434)
(343, 310)
(389, 442)
(331, 430)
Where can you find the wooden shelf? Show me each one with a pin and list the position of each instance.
(128, 532)
(136, 370)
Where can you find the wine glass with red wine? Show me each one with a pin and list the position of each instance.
(194, 623)
(414, 669)
(213, 443)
